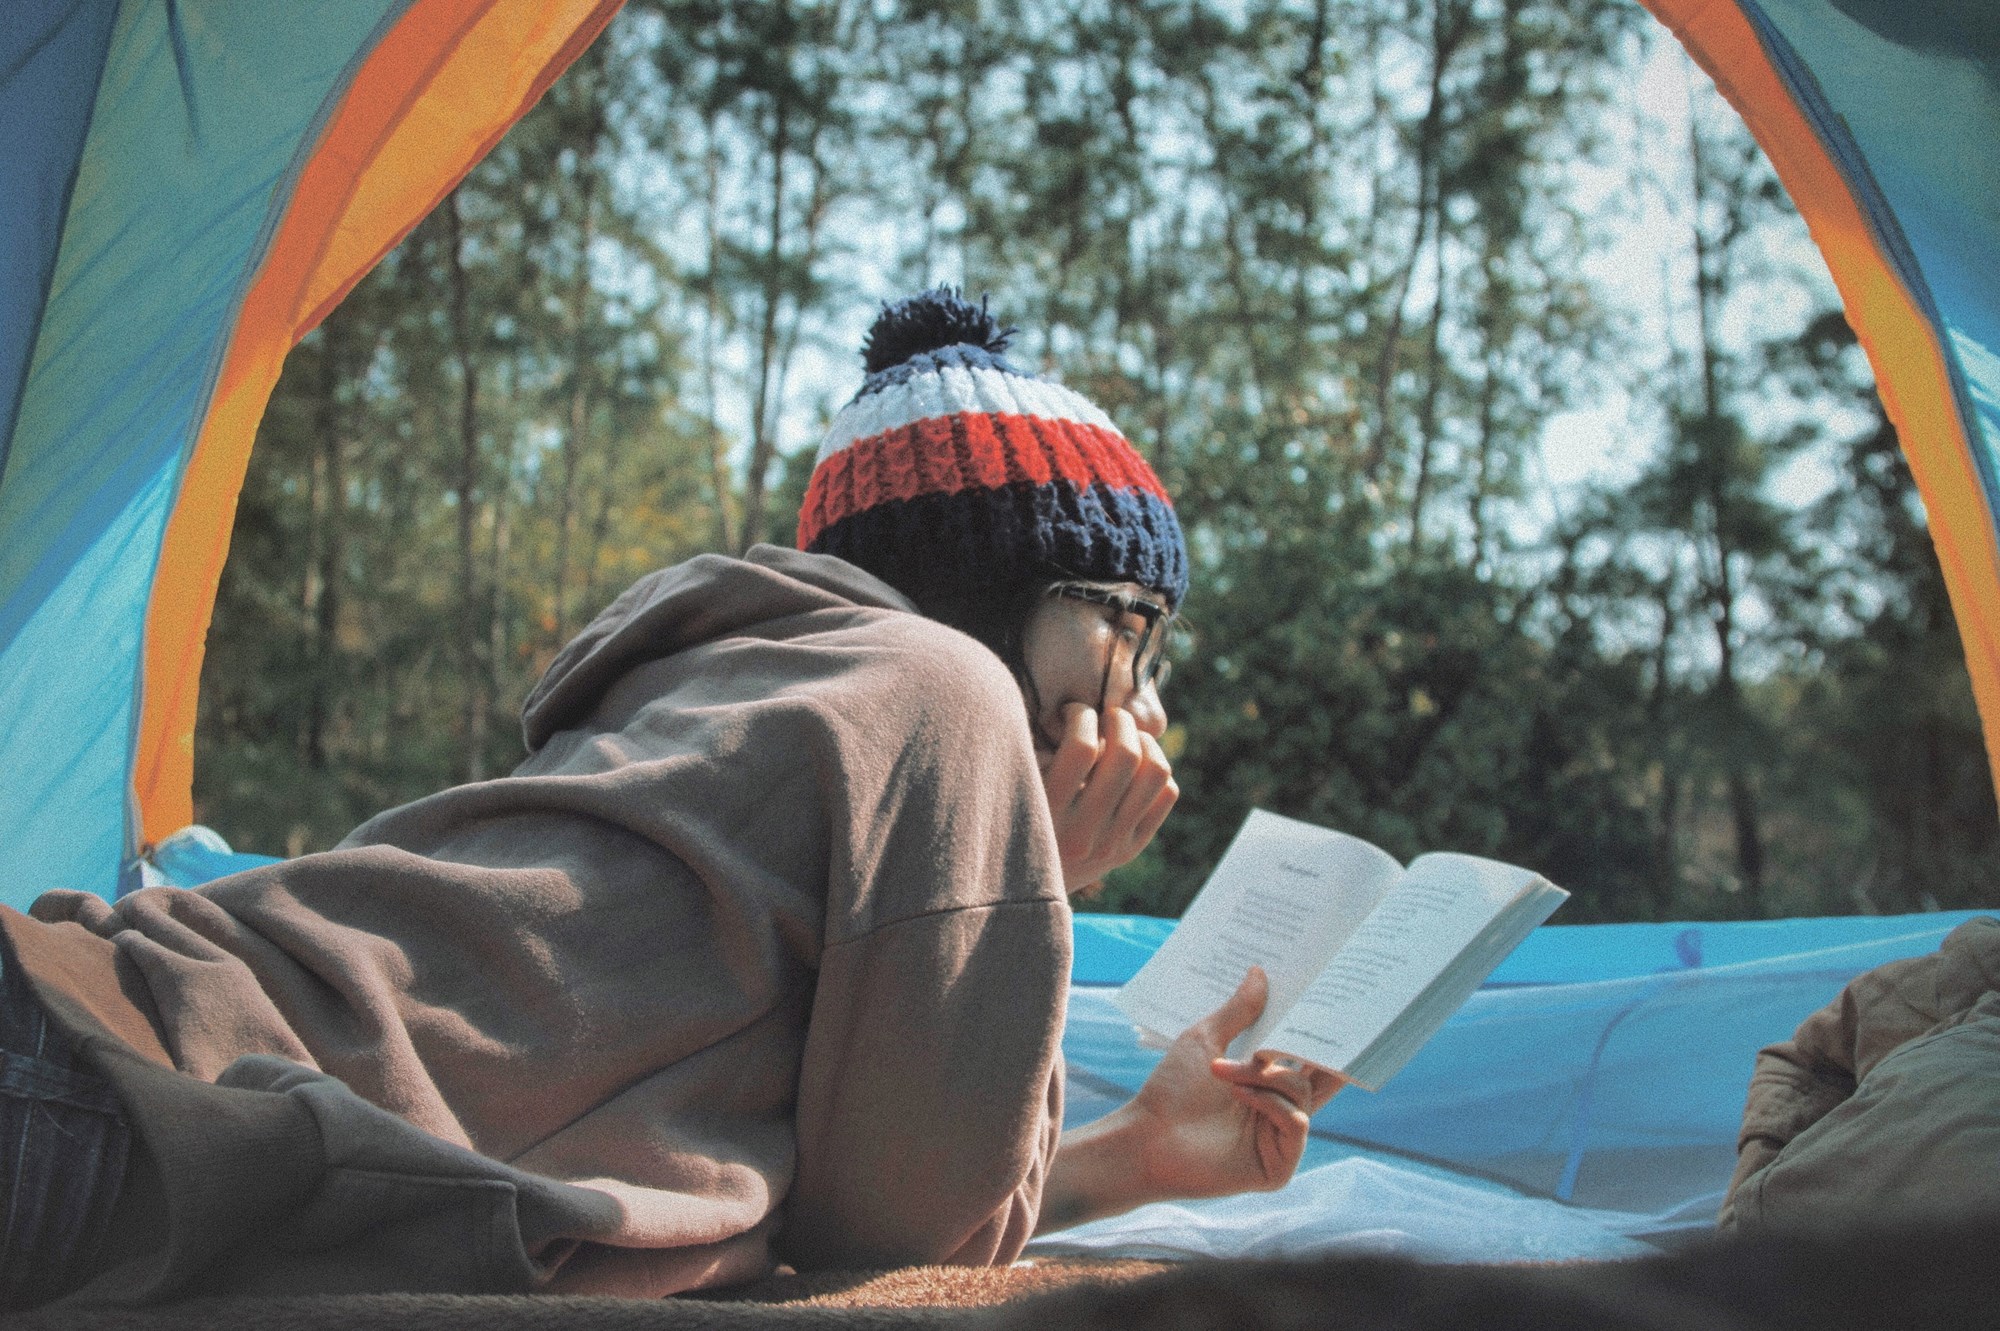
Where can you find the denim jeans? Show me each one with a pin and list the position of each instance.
(63, 1144)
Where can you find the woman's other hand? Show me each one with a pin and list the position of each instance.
(1203, 1125)
(1216, 1125)
(1109, 787)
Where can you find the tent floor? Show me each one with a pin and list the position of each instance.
(1937, 1273)
(917, 1296)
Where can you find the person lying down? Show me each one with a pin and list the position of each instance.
(759, 957)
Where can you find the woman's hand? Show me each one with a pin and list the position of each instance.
(1215, 1125)
(1203, 1125)
(1108, 792)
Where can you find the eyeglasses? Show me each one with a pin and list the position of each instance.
(1143, 651)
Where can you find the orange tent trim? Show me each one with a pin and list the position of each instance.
(1911, 371)
(441, 88)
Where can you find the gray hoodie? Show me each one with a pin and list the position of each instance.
(760, 953)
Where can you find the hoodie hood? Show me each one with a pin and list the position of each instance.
(673, 609)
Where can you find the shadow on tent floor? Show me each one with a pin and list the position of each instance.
(1934, 1274)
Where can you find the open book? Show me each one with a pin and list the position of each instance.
(1366, 958)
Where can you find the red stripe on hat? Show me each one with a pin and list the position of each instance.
(968, 451)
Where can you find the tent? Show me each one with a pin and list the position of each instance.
(190, 185)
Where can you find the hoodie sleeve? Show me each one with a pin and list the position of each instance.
(930, 1089)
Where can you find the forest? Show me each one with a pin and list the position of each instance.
(1355, 275)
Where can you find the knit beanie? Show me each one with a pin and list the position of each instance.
(953, 474)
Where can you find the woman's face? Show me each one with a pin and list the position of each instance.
(1080, 650)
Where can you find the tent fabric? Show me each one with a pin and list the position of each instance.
(1584, 1103)
(1880, 118)
(480, 64)
(190, 187)
(187, 190)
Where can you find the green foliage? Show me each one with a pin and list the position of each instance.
(1321, 260)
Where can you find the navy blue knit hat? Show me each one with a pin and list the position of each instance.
(952, 472)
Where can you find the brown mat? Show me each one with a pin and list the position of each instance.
(938, 1286)
(494, 1312)
(1939, 1274)
(912, 1297)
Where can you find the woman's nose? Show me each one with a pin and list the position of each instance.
(1147, 711)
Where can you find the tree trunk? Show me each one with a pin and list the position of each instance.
(496, 582)
(1312, 90)
(1237, 243)
(473, 668)
(579, 392)
(1482, 484)
(1666, 827)
(322, 600)
(809, 236)
(600, 529)
(711, 295)
(1714, 443)
(1427, 419)
(1449, 25)
(1745, 815)
(763, 447)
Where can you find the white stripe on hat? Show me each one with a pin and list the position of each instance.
(954, 389)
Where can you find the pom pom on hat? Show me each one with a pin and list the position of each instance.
(932, 321)
(953, 473)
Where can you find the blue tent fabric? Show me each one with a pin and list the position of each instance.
(1944, 181)
(117, 311)
(1586, 1100)
(57, 47)
(196, 855)
(184, 188)
(1110, 949)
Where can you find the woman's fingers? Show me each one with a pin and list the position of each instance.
(1325, 1085)
(1275, 1109)
(1294, 1084)
(1278, 1133)
(1301, 1084)
(1118, 762)
(1110, 787)
(1065, 774)
(1149, 826)
(1237, 1013)
(1070, 765)
(1151, 775)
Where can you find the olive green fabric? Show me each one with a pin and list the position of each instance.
(1886, 1102)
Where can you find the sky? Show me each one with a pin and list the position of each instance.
(1646, 274)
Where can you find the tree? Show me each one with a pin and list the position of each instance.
(1326, 263)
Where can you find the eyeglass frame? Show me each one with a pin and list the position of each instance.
(1159, 620)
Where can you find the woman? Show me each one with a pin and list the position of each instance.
(760, 955)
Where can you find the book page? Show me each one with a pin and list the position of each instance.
(1284, 897)
(1419, 930)
(1418, 1022)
